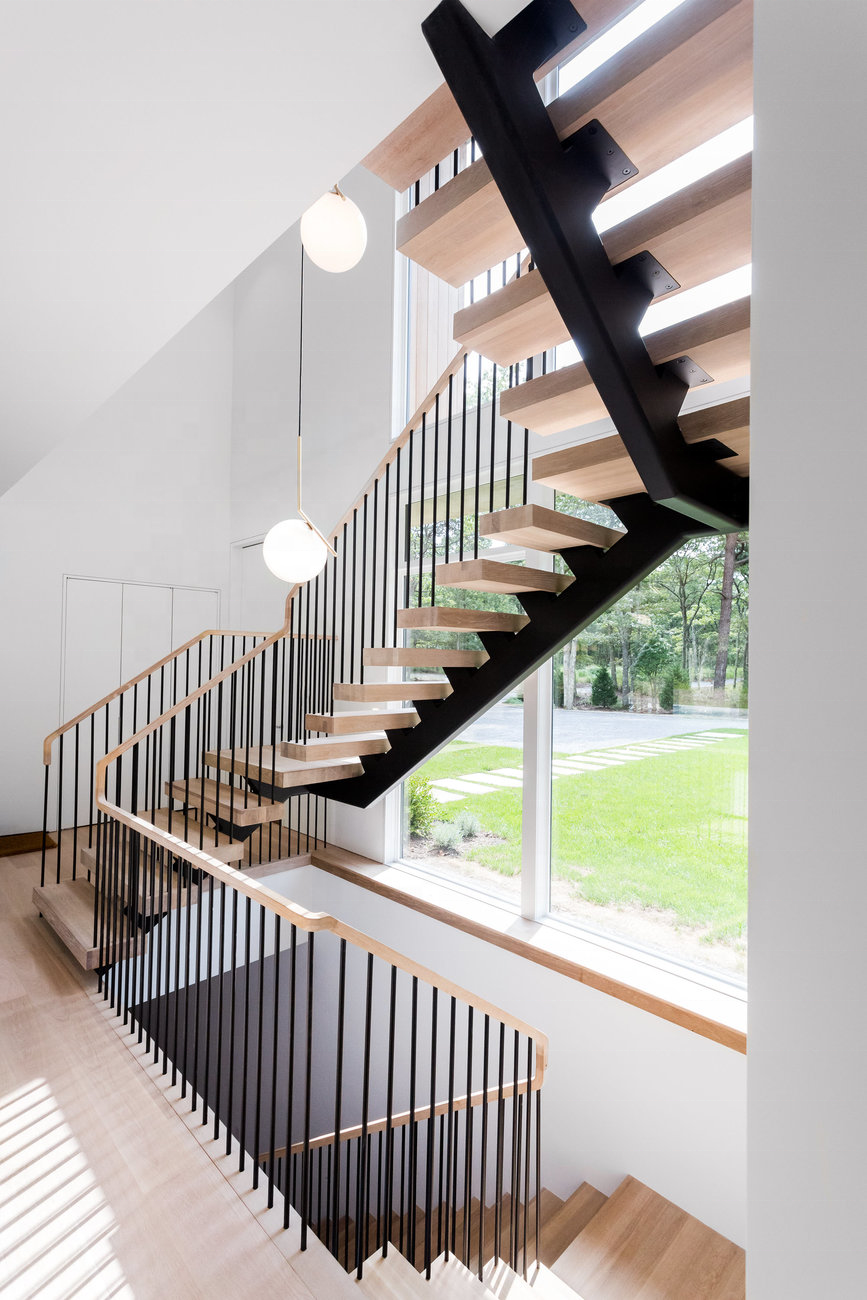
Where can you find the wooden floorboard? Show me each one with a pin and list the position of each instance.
(106, 1189)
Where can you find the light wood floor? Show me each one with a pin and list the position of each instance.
(104, 1188)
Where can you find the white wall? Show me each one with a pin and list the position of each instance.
(625, 1092)
(140, 494)
(347, 374)
(808, 871)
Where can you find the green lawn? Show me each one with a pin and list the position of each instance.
(667, 832)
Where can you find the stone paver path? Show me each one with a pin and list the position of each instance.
(453, 789)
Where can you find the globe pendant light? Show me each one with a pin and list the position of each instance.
(295, 550)
(334, 232)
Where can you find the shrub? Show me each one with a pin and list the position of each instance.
(603, 694)
(447, 837)
(422, 805)
(468, 824)
(666, 693)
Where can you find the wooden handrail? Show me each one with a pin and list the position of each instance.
(140, 677)
(450, 371)
(407, 1116)
(312, 922)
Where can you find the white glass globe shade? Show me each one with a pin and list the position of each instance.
(293, 551)
(334, 233)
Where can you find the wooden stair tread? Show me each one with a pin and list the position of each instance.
(431, 132)
(420, 657)
(699, 233)
(717, 340)
(541, 1283)
(68, 908)
(231, 804)
(541, 529)
(496, 576)
(687, 79)
(640, 1245)
(602, 469)
(172, 821)
(460, 620)
(322, 747)
(392, 1278)
(436, 128)
(449, 1277)
(561, 1229)
(280, 771)
(336, 724)
(379, 691)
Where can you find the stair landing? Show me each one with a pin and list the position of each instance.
(639, 1246)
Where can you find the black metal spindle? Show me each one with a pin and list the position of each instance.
(290, 1081)
(308, 1090)
(338, 1091)
(483, 1164)
(389, 1111)
(429, 1170)
(362, 1194)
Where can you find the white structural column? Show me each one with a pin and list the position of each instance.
(536, 819)
(538, 730)
(808, 884)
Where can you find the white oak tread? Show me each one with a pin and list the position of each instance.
(686, 80)
(392, 1278)
(419, 657)
(231, 804)
(541, 1283)
(387, 691)
(697, 234)
(148, 902)
(496, 576)
(639, 1246)
(717, 340)
(449, 1277)
(460, 620)
(279, 771)
(560, 1229)
(541, 529)
(344, 724)
(436, 128)
(68, 909)
(602, 469)
(322, 747)
(189, 829)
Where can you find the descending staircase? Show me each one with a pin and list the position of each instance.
(632, 1245)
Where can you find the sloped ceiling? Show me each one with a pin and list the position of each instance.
(151, 149)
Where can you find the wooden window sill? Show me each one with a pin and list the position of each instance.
(697, 1004)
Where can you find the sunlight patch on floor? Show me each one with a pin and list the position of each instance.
(55, 1223)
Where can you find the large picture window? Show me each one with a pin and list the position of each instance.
(649, 762)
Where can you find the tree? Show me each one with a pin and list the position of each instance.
(654, 659)
(688, 576)
(720, 671)
(603, 694)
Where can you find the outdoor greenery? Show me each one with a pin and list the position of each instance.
(666, 833)
(421, 805)
(602, 692)
(679, 635)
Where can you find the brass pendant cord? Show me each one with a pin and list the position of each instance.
(306, 519)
